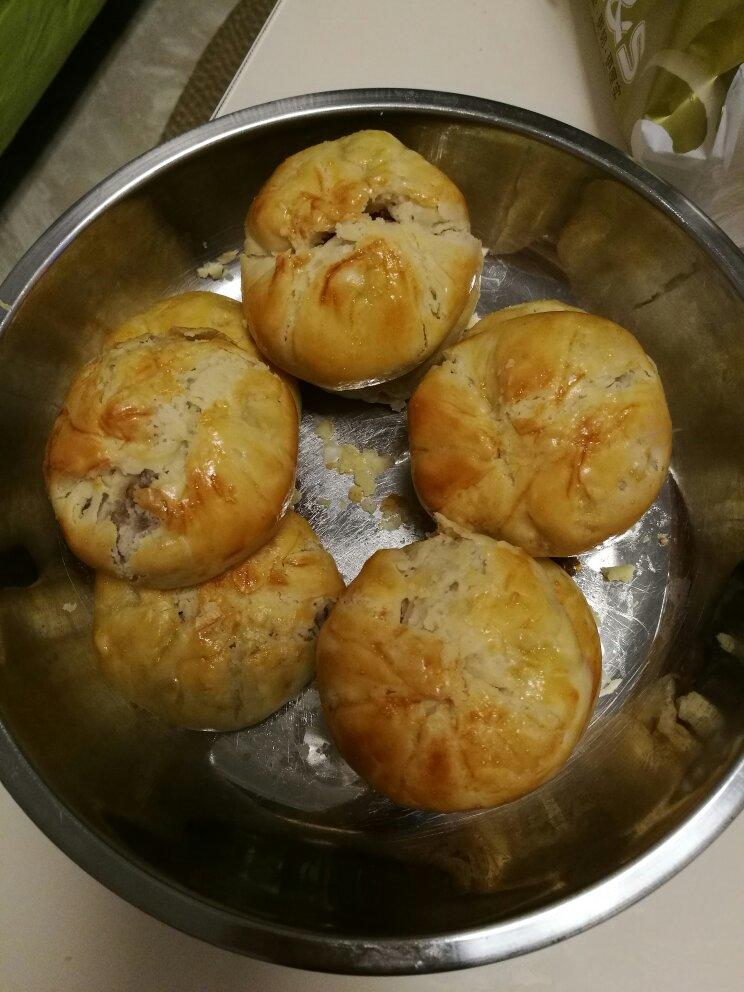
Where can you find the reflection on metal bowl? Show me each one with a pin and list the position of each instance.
(264, 841)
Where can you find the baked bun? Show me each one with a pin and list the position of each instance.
(359, 263)
(525, 309)
(457, 673)
(173, 458)
(193, 311)
(550, 431)
(188, 310)
(227, 653)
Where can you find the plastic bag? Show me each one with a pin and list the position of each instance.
(677, 79)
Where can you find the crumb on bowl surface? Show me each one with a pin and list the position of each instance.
(618, 573)
(728, 643)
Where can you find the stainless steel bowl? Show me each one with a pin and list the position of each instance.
(264, 841)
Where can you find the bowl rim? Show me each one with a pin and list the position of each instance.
(200, 917)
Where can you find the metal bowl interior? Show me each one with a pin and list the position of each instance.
(264, 841)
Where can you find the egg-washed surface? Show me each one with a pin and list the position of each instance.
(227, 653)
(526, 309)
(188, 310)
(359, 262)
(173, 458)
(550, 431)
(194, 310)
(458, 673)
(288, 761)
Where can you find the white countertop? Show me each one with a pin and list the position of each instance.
(60, 931)
(528, 52)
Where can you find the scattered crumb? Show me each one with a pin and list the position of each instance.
(356, 495)
(4, 306)
(618, 573)
(69, 607)
(211, 270)
(394, 512)
(324, 428)
(295, 498)
(365, 466)
(611, 686)
(727, 642)
(699, 714)
(216, 268)
(391, 523)
(331, 455)
(663, 539)
(325, 503)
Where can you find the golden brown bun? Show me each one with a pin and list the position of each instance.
(457, 673)
(550, 431)
(227, 653)
(173, 458)
(321, 186)
(194, 310)
(525, 309)
(358, 262)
